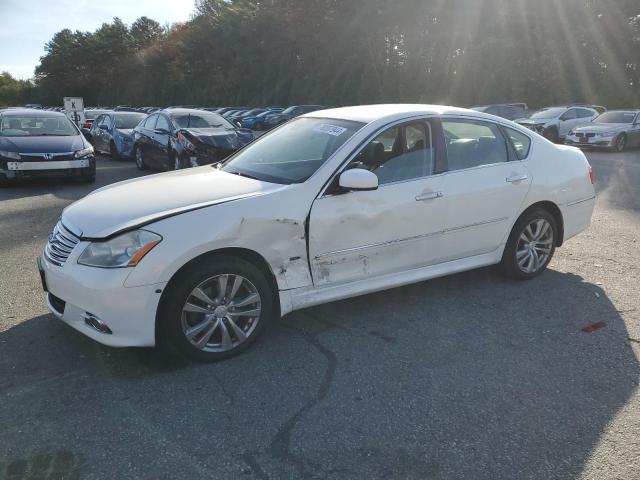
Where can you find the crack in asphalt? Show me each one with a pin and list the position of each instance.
(280, 446)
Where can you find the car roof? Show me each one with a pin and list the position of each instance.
(180, 110)
(390, 112)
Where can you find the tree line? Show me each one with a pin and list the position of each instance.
(342, 52)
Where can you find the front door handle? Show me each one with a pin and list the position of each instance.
(516, 178)
(429, 196)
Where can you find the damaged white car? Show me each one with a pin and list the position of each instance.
(333, 204)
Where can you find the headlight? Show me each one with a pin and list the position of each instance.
(7, 154)
(84, 152)
(125, 250)
(572, 132)
(186, 143)
(608, 134)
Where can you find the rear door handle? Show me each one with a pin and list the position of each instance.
(516, 178)
(429, 196)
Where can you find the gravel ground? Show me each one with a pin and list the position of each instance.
(469, 376)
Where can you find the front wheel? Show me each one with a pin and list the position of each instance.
(621, 143)
(140, 163)
(552, 134)
(215, 310)
(531, 245)
(113, 151)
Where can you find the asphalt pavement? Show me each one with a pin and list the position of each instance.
(469, 376)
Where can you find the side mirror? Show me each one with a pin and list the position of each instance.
(358, 179)
(103, 127)
(239, 124)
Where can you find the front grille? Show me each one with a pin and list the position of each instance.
(60, 245)
(39, 157)
(587, 135)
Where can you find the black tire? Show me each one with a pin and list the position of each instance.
(621, 143)
(140, 162)
(89, 179)
(171, 337)
(113, 151)
(551, 134)
(509, 264)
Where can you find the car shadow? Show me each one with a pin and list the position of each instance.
(467, 376)
(108, 171)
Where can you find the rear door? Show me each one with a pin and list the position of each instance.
(362, 234)
(484, 187)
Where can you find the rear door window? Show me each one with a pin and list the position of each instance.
(472, 143)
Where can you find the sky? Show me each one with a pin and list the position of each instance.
(28, 24)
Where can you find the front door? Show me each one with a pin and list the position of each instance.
(483, 189)
(362, 234)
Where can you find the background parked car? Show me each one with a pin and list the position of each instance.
(510, 111)
(112, 133)
(615, 130)
(177, 138)
(554, 123)
(89, 116)
(35, 143)
(256, 122)
(289, 113)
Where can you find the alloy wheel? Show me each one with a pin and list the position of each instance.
(221, 313)
(621, 143)
(534, 246)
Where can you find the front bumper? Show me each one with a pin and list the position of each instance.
(14, 169)
(78, 295)
(590, 142)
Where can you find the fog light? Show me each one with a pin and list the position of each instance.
(95, 323)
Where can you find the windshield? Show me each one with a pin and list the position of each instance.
(93, 114)
(36, 126)
(128, 121)
(201, 120)
(289, 110)
(548, 113)
(616, 117)
(294, 152)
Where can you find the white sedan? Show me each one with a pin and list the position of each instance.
(333, 204)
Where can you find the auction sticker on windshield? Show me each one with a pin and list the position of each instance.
(330, 129)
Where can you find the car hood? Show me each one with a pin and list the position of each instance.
(42, 144)
(125, 205)
(603, 127)
(219, 137)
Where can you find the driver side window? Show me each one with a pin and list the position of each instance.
(398, 154)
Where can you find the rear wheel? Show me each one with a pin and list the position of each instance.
(531, 245)
(140, 163)
(215, 310)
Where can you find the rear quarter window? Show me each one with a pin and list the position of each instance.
(521, 143)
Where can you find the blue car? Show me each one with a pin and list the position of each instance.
(112, 133)
(276, 119)
(256, 122)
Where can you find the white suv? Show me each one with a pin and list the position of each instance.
(555, 123)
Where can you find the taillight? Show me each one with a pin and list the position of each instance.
(591, 176)
(87, 125)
